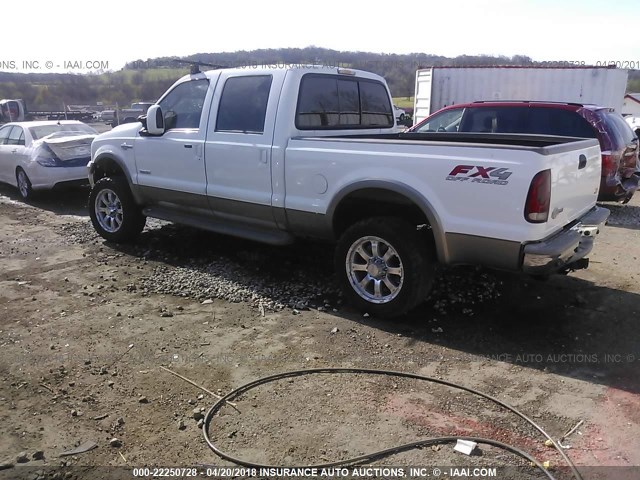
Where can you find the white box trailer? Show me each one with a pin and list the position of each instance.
(439, 87)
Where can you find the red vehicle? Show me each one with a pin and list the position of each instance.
(619, 144)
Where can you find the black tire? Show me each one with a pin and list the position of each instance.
(126, 221)
(401, 118)
(24, 185)
(412, 256)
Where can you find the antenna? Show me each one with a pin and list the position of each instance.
(195, 65)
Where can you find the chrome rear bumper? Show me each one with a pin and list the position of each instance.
(565, 248)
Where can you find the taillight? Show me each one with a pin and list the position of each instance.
(536, 209)
(611, 163)
(46, 157)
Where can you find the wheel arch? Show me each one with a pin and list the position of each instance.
(107, 165)
(395, 199)
(18, 169)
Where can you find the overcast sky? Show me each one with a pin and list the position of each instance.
(117, 32)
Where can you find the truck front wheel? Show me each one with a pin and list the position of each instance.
(113, 211)
(384, 266)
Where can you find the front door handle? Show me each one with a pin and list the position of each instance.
(188, 145)
(126, 146)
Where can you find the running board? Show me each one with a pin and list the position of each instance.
(212, 224)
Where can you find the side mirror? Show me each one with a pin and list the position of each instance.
(155, 120)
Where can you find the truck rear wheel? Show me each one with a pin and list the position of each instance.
(384, 266)
(113, 211)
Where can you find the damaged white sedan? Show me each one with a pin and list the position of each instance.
(43, 155)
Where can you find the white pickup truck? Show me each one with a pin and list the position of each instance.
(272, 154)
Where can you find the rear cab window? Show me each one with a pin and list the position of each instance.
(333, 102)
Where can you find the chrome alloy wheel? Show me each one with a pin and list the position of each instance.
(108, 208)
(374, 269)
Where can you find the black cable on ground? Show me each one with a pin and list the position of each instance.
(431, 441)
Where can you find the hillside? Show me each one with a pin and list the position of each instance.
(148, 79)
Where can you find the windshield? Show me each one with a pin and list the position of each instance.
(447, 121)
(42, 131)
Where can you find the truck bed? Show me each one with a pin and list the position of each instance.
(475, 183)
(519, 141)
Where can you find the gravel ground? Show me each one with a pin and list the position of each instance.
(267, 278)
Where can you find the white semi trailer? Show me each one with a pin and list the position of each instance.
(438, 87)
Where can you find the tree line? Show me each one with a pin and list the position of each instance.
(146, 80)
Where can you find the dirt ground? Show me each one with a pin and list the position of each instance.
(83, 336)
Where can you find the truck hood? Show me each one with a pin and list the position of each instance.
(127, 130)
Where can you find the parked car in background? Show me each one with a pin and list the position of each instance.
(634, 123)
(11, 110)
(42, 155)
(618, 143)
(399, 113)
(107, 116)
(130, 115)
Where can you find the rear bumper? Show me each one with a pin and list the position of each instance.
(619, 191)
(45, 178)
(565, 248)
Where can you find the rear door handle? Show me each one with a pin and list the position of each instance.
(125, 146)
(582, 161)
(188, 145)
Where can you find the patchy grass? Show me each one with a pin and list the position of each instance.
(403, 102)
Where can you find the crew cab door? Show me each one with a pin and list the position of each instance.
(170, 167)
(238, 147)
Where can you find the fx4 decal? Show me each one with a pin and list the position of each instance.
(477, 174)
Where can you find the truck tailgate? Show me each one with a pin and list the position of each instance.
(575, 180)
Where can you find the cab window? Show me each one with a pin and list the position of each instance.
(243, 105)
(182, 106)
